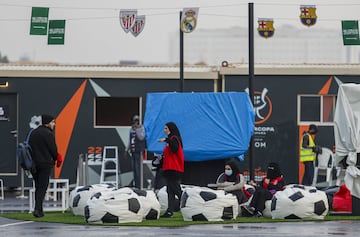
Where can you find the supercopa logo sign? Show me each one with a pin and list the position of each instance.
(262, 106)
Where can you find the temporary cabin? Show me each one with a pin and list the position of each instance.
(93, 106)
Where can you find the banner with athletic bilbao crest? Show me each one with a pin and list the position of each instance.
(130, 21)
(127, 19)
(138, 26)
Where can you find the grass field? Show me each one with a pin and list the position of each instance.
(176, 221)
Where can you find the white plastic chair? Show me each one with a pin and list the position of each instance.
(324, 165)
(220, 177)
(340, 174)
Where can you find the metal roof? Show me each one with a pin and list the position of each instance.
(106, 71)
(171, 72)
(292, 69)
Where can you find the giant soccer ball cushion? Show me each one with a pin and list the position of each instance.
(149, 203)
(80, 195)
(118, 206)
(299, 202)
(205, 204)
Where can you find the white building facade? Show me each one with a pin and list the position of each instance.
(307, 45)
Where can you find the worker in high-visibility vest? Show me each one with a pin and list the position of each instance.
(308, 153)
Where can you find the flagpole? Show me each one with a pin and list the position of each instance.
(251, 78)
(181, 57)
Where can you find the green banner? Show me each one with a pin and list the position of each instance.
(39, 20)
(350, 31)
(56, 33)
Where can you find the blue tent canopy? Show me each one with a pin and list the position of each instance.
(212, 125)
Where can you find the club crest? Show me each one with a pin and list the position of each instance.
(308, 14)
(138, 25)
(127, 19)
(189, 20)
(266, 27)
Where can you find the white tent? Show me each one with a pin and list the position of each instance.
(347, 133)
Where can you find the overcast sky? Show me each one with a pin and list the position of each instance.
(93, 34)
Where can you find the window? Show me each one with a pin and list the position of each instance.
(316, 109)
(116, 111)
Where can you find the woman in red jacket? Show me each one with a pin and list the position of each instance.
(173, 165)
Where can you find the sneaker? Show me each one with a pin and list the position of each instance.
(249, 209)
(38, 213)
(167, 214)
(258, 214)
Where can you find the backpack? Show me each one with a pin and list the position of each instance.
(24, 153)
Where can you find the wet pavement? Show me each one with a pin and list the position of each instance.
(29, 228)
(15, 228)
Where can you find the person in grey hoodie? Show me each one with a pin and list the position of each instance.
(136, 147)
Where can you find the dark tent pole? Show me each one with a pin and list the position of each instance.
(181, 57)
(251, 77)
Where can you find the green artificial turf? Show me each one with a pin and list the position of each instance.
(176, 221)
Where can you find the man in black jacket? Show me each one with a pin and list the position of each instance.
(44, 154)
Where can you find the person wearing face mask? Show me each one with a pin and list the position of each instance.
(232, 181)
(270, 184)
(308, 153)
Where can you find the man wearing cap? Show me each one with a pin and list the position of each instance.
(44, 154)
(136, 147)
(308, 153)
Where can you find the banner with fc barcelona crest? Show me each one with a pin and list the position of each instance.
(308, 14)
(266, 27)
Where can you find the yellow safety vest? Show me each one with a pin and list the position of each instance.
(307, 154)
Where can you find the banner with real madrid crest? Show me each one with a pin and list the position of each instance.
(188, 20)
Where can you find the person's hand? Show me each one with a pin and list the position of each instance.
(252, 182)
(267, 181)
(317, 149)
(220, 187)
(162, 139)
(59, 160)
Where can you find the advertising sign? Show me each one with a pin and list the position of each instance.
(39, 21)
(350, 31)
(56, 32)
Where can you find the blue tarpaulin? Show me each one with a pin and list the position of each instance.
(212, 125)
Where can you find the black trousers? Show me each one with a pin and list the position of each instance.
(173, 188)
(136, 167)
(259, 198)
(308, 173)
(41, 178)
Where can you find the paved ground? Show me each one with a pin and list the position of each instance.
(15, 228)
